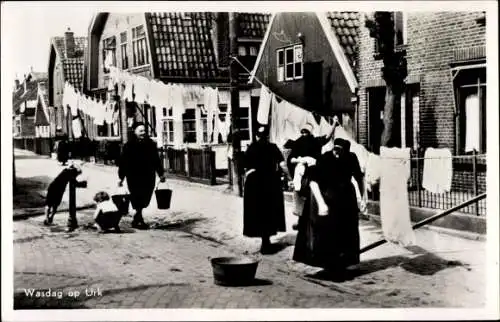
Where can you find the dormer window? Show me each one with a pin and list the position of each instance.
(289, 63)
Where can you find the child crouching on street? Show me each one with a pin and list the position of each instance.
(107, 216)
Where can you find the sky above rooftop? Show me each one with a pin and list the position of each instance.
(29, 29)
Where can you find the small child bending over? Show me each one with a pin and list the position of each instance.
(107, 216)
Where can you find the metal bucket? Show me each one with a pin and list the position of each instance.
(234, 271)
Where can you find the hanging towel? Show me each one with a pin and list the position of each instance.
(472, 123)
(394, 206)
(77, 128)
(264, 106)
(372, 172)
(129, 88)
(76, 102)
(141, 89)
(438, 170)
(99, 115)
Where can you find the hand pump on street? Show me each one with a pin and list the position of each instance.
(235, 98)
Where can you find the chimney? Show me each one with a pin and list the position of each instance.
(221, 38)
(69, 43)
(24, 83)
(17, 83)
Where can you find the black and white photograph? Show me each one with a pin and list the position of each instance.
(339, 157)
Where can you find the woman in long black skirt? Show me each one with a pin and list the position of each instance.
(328, 235)
(263, 202)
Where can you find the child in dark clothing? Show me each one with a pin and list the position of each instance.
(55, 193)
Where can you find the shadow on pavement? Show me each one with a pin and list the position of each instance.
(29, 192)
(426, 264)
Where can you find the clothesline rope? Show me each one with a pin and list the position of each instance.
(329, 118)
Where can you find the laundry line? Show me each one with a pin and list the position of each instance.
(329, 118)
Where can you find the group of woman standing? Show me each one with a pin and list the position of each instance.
(328, 235)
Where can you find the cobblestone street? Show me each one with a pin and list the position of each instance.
(168, 266)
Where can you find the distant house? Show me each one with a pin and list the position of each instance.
(190, 48)
(445, 101)
(66, 64)
(24, 102)
(310, 60)
(42, 123)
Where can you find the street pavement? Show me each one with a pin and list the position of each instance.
(168, 266)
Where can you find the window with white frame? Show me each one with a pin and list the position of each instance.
(189, 125)
(253, 51)
(290, 63)
(109, 53)
(139, 46)
(242, 51)
(223, 115)
(17, 125)
(470, 89)
(168, 125)
(203, 124)
(123, 50)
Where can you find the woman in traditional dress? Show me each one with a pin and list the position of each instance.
(328, 235)
(263, 202)
(138, 164)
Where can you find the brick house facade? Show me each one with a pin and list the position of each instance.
(446, 59)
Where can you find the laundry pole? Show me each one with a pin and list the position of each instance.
(235, 100)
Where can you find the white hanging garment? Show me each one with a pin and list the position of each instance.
(76, 104)
(210, 103)
(99, 115)
(77, 128)
(373, 168)
(245, 99)
(108, 116)
(129, 88)
(264, 106)
(141, 89)
(66, 99)
(438, 170)
(472, 123)
(394, 205)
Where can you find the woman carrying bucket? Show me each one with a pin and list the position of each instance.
(138, 164)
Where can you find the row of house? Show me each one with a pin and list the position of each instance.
(323, 62)
(444, 104)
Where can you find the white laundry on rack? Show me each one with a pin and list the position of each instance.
(99, 113)
(394, 205)
(438, 170)
(264, 105)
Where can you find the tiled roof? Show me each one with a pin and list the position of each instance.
(252, 25)
(19, 96)
(80, 46)
(73, 71)
(183, 44)
(345, 25)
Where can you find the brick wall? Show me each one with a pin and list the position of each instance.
(433, 38)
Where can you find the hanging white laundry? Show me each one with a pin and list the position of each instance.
(99, 115)
(324, 128)
(394, 205)
(264, 105)
(108, 116)
(129, 89)
(141, 89)
(75, 106)
(210, 103)
(472, 123)
(77, 128)
(65, 100)
(373, 168)
(245, 99)
(108, 59)
(438, 170)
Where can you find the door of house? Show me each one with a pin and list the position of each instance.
(376, 102)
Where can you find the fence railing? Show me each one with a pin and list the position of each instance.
(197, 164)
(468, 181)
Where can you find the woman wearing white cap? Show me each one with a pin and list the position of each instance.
(264, 208)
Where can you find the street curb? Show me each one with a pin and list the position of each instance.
(35, 212)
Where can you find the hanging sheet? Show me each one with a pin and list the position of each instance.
(264, 105)
(394, 205)
(438, 170)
